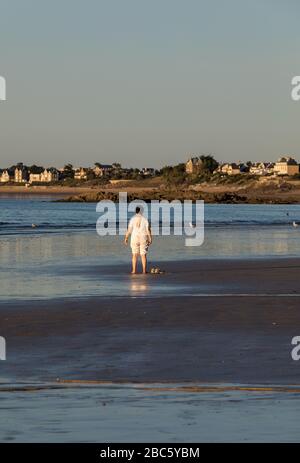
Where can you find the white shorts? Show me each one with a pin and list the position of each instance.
(139, 246)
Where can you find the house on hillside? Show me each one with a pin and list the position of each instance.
(148, 171)
(33, 178)
(46, 176)
(102, 169)
(286, 166)
(21, 174)
(193, 165)
(262, 168)
(6, 175)
(81, 173)
(229, 169)
(50, 175)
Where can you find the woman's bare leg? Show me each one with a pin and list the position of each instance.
(134, 262)
(144, 263)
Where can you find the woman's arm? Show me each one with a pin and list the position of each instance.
(149, 235)
(127, 236)
(128, 233)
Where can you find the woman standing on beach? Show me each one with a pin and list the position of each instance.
(141, 238)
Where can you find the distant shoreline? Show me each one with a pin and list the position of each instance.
(41, 190)
(212, 194)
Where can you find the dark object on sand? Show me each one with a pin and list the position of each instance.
(157, 271)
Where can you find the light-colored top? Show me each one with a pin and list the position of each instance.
(138, 227)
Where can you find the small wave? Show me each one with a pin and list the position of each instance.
(9, 228)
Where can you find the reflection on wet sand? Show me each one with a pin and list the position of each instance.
(39, 265)
(256, 241)
(138, 287)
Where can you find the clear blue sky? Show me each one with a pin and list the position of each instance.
(145, 82)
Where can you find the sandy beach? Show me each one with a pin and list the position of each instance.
(232, 323)
(42, 190)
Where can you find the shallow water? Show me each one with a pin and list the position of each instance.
(36, 262)
(39, 265)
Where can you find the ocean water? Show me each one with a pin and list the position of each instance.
(36, 262)
(18, 213)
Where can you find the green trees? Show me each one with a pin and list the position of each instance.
(68, 171)
(174, 175)
(35, 169)
(201, 169)
(208, 164)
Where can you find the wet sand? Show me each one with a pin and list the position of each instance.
(228, 321)
(126, 413)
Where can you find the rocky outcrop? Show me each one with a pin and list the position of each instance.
(170, 195)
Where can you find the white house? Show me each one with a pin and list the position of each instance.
(286, 166)
(80, 173)
(21, 174)
(229, 169)
(34, 178)
(148, 171)
(47, 176)
(262, 168)
(102, 169)
(5, 176)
